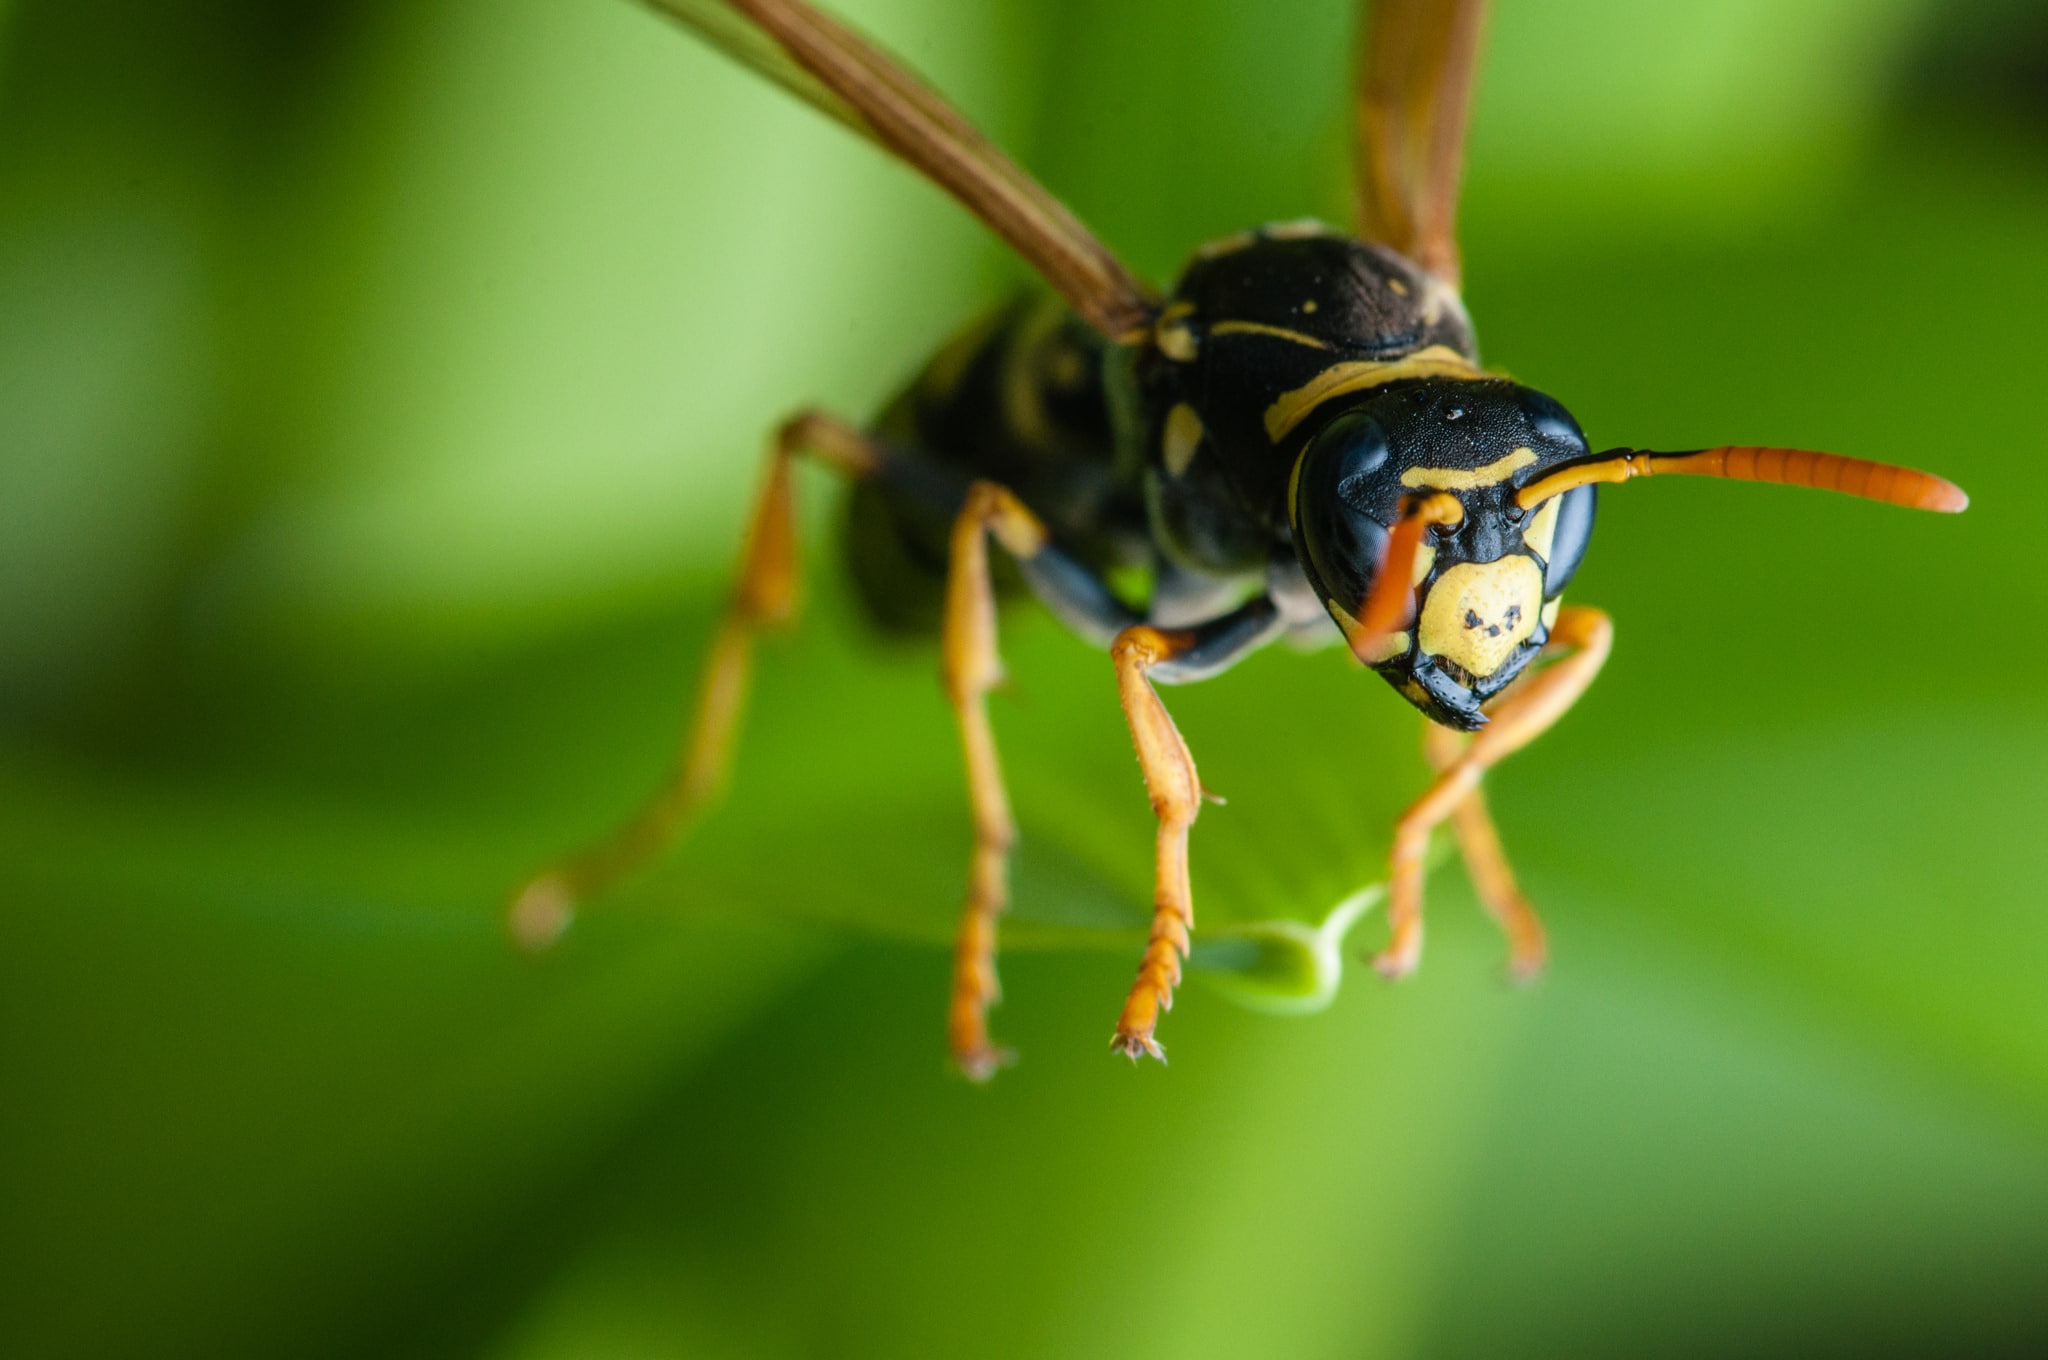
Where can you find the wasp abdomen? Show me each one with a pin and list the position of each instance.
(1019, 398)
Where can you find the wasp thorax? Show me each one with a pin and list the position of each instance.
(1482, 584)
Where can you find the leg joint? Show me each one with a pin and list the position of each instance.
(997, 511)
(1141, 647)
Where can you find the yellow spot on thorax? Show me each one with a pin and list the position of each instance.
(1460, 479)
(1173, 335)
(1356, 375)
(1181, 437)
(1439, 297)
(1478, 613)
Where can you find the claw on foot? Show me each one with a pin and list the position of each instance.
(1396, 961)
(541, 913)
(1136, 1045)
(980, 1063)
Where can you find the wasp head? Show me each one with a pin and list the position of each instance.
(1449, 456)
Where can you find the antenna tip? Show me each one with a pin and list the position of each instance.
(1944, 497)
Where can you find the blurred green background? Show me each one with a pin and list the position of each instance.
(380, 386)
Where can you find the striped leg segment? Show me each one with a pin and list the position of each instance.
(1143, 654)
(1176, 793)
(970, 669)
(1583, 636)
(764, 596)
(1493, 878)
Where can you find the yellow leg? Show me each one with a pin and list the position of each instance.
(971, 668)
(764, 595)
(1176, 793)
(1493, 878)
(1584, 636)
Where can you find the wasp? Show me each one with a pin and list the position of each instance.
(1297, 442)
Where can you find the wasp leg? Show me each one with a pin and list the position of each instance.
(764, 595)
(971, 668)
(1493, 878)
(1584, 635)
(1142, 654)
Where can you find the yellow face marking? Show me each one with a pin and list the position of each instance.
(1550, 613)
(1425, 562)
(1171, 332)
(1477, 613)
(1355, 375)
(1396, 645)
(1181, 437)
(1542, 530)
(1261, 328)
(1458, 479)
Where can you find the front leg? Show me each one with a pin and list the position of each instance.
(1525, 714)
(1143, 653)
(1486, 862)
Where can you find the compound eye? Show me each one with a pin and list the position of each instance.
(1344, 489)
(1352, 447)
(1554, 426)
(1568, 543)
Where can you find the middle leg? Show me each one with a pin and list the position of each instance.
(970, 668)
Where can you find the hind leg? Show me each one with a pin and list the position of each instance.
(765, 595)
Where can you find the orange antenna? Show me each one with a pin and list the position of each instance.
(1885, 482)
(1392, 595)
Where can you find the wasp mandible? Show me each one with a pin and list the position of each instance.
(1297, 442)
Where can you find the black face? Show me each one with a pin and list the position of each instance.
(1486, 584)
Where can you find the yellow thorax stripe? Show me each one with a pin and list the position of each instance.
(1438, 361)
(1261, 328)
(1458, 479)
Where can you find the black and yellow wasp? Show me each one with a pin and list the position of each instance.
(1297, 442)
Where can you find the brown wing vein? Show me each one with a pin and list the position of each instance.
(841, 73)
(1416, 63)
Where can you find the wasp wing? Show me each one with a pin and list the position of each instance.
(823, 62)
(1416, 60)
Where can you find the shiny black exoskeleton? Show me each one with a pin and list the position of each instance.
(1298, 389)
